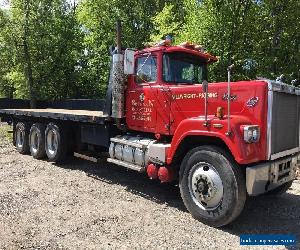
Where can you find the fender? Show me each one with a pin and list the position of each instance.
(243, 153)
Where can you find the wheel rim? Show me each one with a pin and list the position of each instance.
(52, 142)
(20, 138)
(205, 186)
(34, 141)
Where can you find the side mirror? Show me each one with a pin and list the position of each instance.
(205, 86)
(129, 62)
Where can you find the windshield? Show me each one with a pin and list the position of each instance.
(183, 68)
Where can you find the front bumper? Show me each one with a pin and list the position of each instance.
(267, 176)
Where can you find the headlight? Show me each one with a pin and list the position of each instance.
(251, 133)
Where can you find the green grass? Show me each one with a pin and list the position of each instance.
(4, 128)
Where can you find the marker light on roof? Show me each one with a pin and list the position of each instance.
(200, 48)
(166, 42)
(188, 45)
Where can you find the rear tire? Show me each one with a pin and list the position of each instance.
(37, 141)
(212, 186)
(14, 134)
(56, 143)
(21, 137)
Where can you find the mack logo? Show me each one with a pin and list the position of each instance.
(232, 97)
(252, 101)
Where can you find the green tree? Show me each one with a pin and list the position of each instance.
(260, 37)
(47, 41)
(7, 55)
(277, 49)
(98, 18)
(166, 22)
(224, 28)
(58, 49)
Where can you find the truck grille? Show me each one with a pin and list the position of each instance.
(285, 123)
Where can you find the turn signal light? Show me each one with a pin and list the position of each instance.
(190, 45)
(220, 112)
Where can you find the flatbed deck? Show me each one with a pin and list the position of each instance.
(58, 114)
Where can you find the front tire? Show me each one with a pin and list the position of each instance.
(37, 141)
(212, 186)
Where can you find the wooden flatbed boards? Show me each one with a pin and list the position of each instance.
(58, 114)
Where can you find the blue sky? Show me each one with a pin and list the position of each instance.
(3, 3)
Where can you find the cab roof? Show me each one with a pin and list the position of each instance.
(206, 56)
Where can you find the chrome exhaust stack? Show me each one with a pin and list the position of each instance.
(118, 80)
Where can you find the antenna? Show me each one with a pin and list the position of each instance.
(229, 69)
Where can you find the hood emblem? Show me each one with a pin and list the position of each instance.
(252, 101)
(232, 97)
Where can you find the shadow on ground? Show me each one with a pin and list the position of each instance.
(261, 215)
(134, 182)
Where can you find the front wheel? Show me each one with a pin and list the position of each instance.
(212, 186)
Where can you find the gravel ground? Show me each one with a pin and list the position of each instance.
(82, 205)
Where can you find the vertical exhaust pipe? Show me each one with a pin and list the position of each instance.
(118, 80)
(229, 69)
(119, 34)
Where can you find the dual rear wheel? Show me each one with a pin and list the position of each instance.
(37, 141)
(41, 141)
(21, 137)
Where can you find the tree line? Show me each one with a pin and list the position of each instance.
(58, 49)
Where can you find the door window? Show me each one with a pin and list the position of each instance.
(146, 69)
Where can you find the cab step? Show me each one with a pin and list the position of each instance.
(87, 157)
(127, 165)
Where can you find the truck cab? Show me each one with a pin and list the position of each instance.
(163, 74)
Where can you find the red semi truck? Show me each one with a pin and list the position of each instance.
(221, 141)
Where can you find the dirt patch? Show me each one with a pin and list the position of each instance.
(4, 128)
(81, 205)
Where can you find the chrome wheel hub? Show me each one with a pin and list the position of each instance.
(52, 142)
(205, 186)
(34, 141)
(20, 138)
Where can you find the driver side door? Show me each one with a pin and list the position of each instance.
(141, 95)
